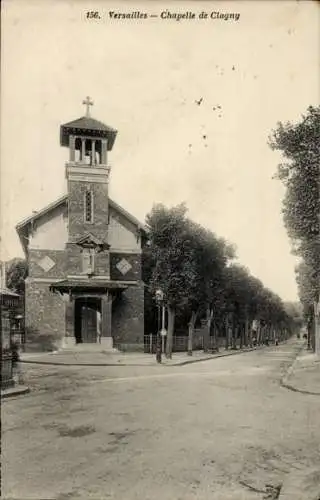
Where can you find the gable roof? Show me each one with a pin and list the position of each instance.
(37, 214)
(63, 200)
(22, 227)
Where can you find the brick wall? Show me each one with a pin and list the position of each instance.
(102, 265)
(134, 274)
(77, 226)
(57, 256)
(128, 319)
(44, 316)
(74, 261)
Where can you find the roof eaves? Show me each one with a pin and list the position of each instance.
(85, 122)
(127, 214)
(9, 293)
(42, 212)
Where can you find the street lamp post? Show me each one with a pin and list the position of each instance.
(159, 301)
(163, 327)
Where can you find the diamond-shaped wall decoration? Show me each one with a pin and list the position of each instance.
(123, 266)
(46, 263)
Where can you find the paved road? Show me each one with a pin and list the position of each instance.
(213, 430)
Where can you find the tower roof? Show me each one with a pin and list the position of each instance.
(89, 127)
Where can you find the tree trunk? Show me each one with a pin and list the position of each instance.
(215, 344)
(258, 334)
(227, 332)
(246, 326)
(234, 335)
(206, 337)
(250, 333)
(262, 334)
(246, 332)
(191, 331)
(171, 318)
(309, 335)
(241, 335)
(316, 307)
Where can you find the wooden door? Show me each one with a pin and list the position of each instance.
(88, 324)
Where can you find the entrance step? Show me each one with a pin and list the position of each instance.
(87, 347)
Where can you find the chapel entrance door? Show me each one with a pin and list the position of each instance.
(87, 311)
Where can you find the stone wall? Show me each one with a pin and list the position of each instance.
(128, 319)
(44, 317)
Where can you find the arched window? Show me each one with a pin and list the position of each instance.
(88, 206)
(78, 150)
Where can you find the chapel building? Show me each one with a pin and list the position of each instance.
(84, 253)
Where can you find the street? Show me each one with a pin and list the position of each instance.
(220, 429)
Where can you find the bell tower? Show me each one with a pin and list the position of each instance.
(87, 171)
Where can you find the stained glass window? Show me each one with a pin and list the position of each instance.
(88, 206)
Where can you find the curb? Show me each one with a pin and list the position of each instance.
(301, 391)
(183, 363)
(284, 382)
(18, 391)
(179, 363)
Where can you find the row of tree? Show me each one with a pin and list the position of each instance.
(300, 146)
(196, 271)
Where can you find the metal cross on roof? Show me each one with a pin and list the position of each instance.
(87, 102)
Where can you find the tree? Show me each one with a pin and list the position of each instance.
(305, 277)
(211, 255)
(300, 145)
(17, 271)
(173, 258)
(188, 262)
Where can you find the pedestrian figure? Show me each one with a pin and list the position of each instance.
(16, 367)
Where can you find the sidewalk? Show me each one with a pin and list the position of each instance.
(16, 390)
(105, 358)
(304, 374)
(302, 485)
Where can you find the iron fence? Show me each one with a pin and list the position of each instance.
(6, 371)
(180, 342)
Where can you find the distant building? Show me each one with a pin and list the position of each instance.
(84, 252)
(9, 305)
(2, 275)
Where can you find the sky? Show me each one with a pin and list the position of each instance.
(145, 76)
